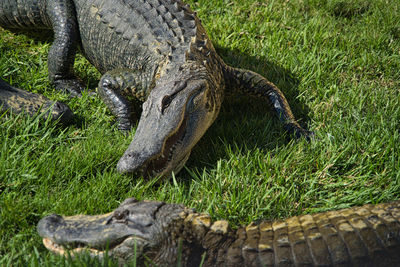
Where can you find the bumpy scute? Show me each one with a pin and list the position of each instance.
(19, 101)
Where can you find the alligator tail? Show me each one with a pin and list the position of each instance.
(20, 101)
(250, 83)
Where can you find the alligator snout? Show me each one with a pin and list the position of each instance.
(49, 225)
(131, 162)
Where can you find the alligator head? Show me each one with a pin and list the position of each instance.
(135, 230)
(176, 114)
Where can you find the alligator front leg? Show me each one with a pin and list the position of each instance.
(253, 84)
(61, 14)
(115, 87)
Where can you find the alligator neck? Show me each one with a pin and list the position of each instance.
(205, 240)
(242, 247)
(216, 244)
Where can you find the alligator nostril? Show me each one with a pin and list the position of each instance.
(49, 224)
(54, 218)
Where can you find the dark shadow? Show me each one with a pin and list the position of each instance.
(348, 9)
(37, 35)
(247, 123)
(283, 78)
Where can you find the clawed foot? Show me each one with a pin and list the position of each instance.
(299, 132)
(69, 86)
(124, 125)
(308, 135)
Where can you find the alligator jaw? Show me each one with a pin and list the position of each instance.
(134, 229)
(131, 226)
(60, 250)
(158, 165)
(78, 233)
(172, 122)
(80, 248)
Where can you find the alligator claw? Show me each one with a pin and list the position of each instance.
(298, 132)
(69, 86)
(308, 135)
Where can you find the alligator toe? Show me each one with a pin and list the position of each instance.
(70, 86)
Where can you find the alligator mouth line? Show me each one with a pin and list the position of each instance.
(160, 163)
(61, 250)
(80, 247)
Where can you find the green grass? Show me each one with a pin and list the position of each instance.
(338, 63)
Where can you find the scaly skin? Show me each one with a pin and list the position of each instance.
(19, 101)
(155, 51)
(358, 236)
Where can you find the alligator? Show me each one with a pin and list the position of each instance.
(20, 101)
(160, 234)
(154, 51)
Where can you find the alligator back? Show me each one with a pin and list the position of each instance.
(358, 236)
(136, 34)
(119, 34)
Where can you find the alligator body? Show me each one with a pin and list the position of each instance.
(165, 234)
(155, 51)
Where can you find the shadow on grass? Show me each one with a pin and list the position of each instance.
(281, 77)
(246, 123)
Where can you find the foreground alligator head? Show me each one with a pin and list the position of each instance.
(145, 225)
(165, 234)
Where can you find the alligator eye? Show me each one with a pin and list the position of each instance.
(165, 102)
(118, 215)
(128, 201)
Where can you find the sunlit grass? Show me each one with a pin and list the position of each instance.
(336, 61)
